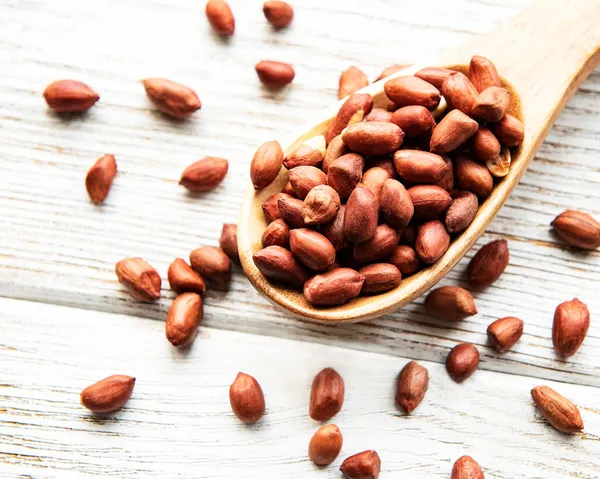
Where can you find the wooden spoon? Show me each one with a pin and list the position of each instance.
(545, 52)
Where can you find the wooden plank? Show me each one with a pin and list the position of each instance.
(57, 247)
(179, 423)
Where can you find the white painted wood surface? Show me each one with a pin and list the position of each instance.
(56, 247)
(178, 422)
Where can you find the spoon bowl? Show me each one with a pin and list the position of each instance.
(544, 69)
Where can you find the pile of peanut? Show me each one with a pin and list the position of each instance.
(380, 194)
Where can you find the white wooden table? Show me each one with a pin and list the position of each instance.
(67, 322)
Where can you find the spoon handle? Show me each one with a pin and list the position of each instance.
(545, 52)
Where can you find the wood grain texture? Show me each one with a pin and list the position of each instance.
(58, 247)
(178, 422)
